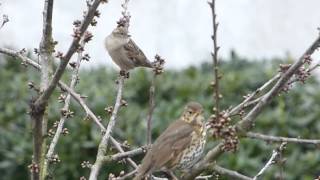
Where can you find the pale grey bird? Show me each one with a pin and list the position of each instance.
(123, 51)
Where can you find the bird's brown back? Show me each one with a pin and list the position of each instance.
(166, 149)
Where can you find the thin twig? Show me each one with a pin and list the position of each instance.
(246, 124)
(120, 156)
(248, 120)
(214, 54)
(27, 61)
(230, 173)
(274, 156)
(66, 58)
(151, 109)
(128, 175)
(54, 141)
(247, 100)
(269, 138)
(104, 141)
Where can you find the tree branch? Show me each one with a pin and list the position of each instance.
(275, 154)
(248, 99)
(269, 138)
(119, 156)
(214, 55)
(66, 58)
(248, 120)
(151, 109)
(74, 79)
(104, 141)
(230, 173)
(246, 124)
(75, 96)
(38, 114)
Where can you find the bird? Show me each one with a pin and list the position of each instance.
(180, 146)
(124, 51)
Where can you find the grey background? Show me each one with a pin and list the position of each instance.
(178, 30)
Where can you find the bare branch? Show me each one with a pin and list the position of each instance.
(66, 58)
(230, 173)
(216, 93)
(248, 99)
(38, 115)
(151, 109)
(27, 61)
(104, 141)
(119, 156)
(246, 124)
(275, 154)
(74, 79)
(248, 120)
(269, 138)
(128, 175)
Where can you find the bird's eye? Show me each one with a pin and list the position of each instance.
(190, 112)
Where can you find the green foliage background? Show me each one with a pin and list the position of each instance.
(293, 114)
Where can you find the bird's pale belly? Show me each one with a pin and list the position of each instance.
(122, 60)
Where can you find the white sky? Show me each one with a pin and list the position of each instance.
(178, 30)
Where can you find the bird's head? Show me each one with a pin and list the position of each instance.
(121, 32)
(193, 114)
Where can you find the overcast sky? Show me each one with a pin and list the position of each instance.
(178, 30)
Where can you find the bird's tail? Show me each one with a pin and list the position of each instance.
(145, 168)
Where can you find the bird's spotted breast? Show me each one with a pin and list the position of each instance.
(191, 155)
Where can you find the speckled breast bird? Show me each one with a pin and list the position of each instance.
(180, 146)
(123, 51)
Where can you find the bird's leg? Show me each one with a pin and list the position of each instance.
(124, 73)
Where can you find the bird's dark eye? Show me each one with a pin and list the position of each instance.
(190, 112)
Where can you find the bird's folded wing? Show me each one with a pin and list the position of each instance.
(135, 54)
(171, 142)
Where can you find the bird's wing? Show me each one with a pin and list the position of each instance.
(135, 54)
(171, 142)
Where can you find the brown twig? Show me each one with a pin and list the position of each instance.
(214, 54)
(269, 138)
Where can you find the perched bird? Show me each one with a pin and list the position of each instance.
(180, 146)
(123, 51)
